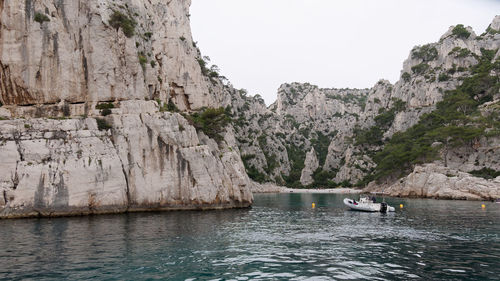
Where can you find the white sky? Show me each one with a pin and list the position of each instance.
(260, 44)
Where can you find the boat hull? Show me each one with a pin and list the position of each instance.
(365, 206)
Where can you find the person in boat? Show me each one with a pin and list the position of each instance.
(374, 199)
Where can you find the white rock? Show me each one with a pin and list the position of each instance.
(147, 163)
(434, 181)
(311, 164)
(77, 56)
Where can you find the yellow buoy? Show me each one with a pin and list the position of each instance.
(483, 206)
(401, 206)
(313, 205)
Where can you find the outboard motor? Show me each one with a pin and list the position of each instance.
(383, 207)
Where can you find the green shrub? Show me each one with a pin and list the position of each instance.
(254, 174)
(322, 179)
(296, 156)
(321, 144)
(443, 77)
(41, 18)
(106, 112)
(398, 104)
(106, 105)
(463, 53)
(345, 183)
(460, 52)
(148, 35)
(119, 20)
(420, 68)
(460, 31)
(488, 55)
(454, 51)
(453, 69)
(492, 31)
(153, 64)
(211, 121)
(370, 136)
(170, 106)
(142, 59)
(383, 121)
(247, 157)
(213, 74)
(406, 76)
(271, 161)
(203, 66)
(425, 53)
(486, 173)
(102, 124)
(262, 140)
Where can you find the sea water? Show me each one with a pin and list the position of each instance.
(280, 238)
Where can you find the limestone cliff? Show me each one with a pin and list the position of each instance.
(350, 129)
(84, 52)
(147, 161)
(84, 90)
(310, 165)
(274, 141)
(435, 181)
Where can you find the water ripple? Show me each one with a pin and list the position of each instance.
(280, 238)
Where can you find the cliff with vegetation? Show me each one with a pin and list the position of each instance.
(108, 106)
(445, 110)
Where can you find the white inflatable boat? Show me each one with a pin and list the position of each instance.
(367, 205)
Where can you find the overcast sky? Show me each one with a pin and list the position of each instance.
(260, 44)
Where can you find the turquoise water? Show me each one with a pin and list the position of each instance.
(280, 238)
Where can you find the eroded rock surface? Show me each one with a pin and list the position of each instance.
(435, 181)
(61, 64)
(53, 51)
(148, 161)
(311, 164)
(274, 140)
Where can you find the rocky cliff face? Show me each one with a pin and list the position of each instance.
(348, 128)
(84, 52)
(147, 161)
(102, 110)
(274, 141)
(310, 165)
(435, 181)
(63, 64)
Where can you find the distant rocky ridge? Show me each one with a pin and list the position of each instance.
(349, 130)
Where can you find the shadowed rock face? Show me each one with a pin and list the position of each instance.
(58, 59)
